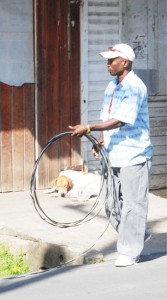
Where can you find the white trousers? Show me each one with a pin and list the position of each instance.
(127, 207)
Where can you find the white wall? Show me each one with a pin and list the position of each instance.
(16, 42)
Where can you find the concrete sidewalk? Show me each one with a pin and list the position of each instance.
(21, 224)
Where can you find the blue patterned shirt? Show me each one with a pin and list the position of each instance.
(127, 102)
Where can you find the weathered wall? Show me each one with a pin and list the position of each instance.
(40, 37)
(143, 25)
(17, 124)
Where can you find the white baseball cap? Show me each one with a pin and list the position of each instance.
(119, 50)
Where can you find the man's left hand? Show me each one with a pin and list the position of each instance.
(78, 130)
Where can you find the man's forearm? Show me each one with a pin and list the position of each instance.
(106, 125)
(79, 130)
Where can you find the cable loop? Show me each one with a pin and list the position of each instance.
(37, 205)
(106, 173)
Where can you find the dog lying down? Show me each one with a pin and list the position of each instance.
(75, 184)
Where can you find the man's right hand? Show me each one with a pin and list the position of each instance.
(96, 149)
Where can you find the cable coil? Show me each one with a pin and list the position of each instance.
(106, 168)
(37, 205)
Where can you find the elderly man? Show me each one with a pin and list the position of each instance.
(124, 132)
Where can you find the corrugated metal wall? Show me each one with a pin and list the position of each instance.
(158, 102)
(143, 25)
(158, 124)
(103, 31)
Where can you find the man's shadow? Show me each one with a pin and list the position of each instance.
(156, 247)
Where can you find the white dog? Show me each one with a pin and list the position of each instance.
(82, 185)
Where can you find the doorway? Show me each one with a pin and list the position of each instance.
(57, 64)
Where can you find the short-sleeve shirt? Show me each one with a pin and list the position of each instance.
(127, 102)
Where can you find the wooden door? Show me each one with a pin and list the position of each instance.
(16, 136)
(58, 84)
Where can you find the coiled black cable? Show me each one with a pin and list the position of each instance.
(106, 173)
(106, 168)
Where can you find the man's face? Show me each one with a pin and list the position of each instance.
(116, 66)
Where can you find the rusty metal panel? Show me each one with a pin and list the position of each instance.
(29, 132)
(6, 180)
(17, 136)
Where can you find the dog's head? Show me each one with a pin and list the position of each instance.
(62, 184)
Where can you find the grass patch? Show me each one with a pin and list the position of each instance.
(12, 264)
(95, 260)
